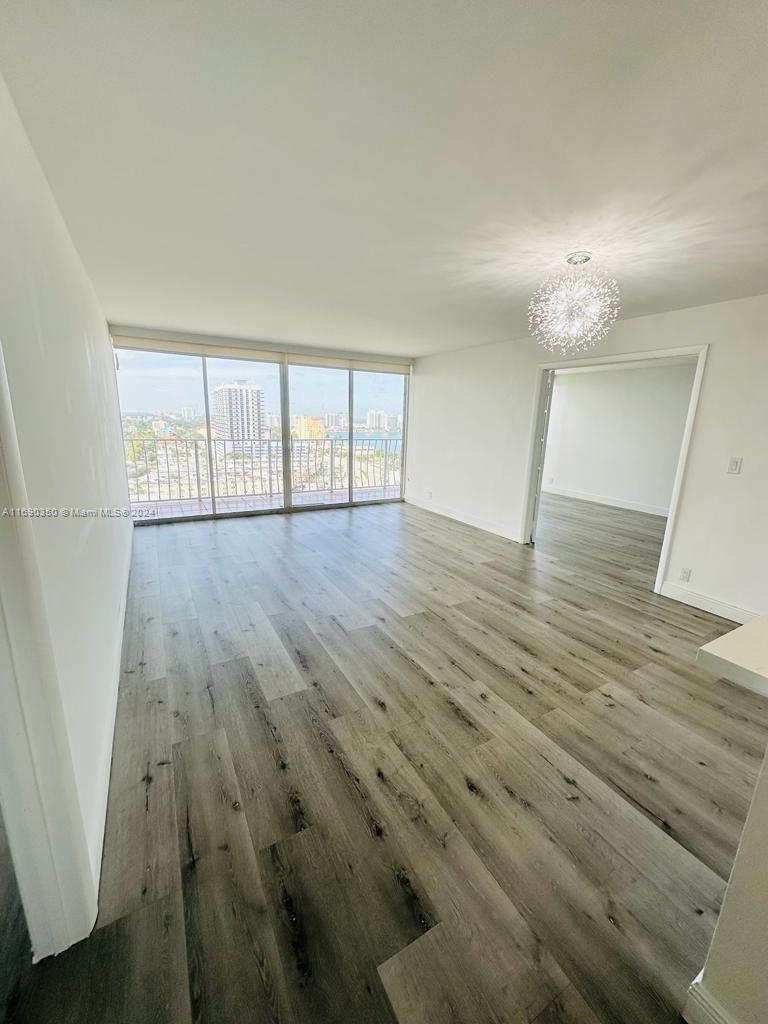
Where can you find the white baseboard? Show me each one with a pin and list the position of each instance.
(602, 499)
(489, 525)
(701, 1008)
(707, 604)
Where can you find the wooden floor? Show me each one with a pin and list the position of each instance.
(15, 950)
(373, 765)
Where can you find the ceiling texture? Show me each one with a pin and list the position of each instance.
(396, 176)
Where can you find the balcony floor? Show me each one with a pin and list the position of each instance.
(152, 511)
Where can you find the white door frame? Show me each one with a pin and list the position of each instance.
(542, 430)
(533, 484)
(39, 798)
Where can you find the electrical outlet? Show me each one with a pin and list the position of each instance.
(734, 464)
(685, 575)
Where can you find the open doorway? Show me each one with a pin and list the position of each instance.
(612, 440)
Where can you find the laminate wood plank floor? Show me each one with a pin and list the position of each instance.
(15, 949)
(374, 765)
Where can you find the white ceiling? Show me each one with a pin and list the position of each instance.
(394, 176)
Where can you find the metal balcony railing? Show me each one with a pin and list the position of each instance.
(170, 469)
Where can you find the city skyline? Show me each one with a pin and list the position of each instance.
(369, 421)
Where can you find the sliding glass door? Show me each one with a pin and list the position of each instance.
(377, 450)
(210, 435)
(165, 436)
(246, 434)
(319, 404)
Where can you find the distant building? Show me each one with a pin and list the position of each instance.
(336, 421)
(188, 412)
(309, 426)
(238, 412)
(394, 424)
(376, 419)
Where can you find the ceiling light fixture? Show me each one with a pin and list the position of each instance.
(572, 311)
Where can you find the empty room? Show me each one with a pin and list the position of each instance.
(383, 504)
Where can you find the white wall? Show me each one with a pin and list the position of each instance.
(62, 387)
(614, 435)
(471, 431)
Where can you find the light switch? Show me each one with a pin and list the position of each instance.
(734, 464)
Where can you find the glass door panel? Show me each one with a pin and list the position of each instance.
(319, 404)
(246, 436)
(379, 409)
(162, 404)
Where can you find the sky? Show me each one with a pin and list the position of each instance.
(160, 382)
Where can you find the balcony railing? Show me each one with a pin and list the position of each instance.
(173, 470)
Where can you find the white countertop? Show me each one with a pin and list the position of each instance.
(741, 655)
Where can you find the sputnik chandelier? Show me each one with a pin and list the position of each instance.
(572, 311)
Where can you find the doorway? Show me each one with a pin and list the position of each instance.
(609, 453)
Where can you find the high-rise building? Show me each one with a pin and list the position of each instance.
(332, 420)
(309, 426)
(188, 412)
(376, 419)
(238, 411)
